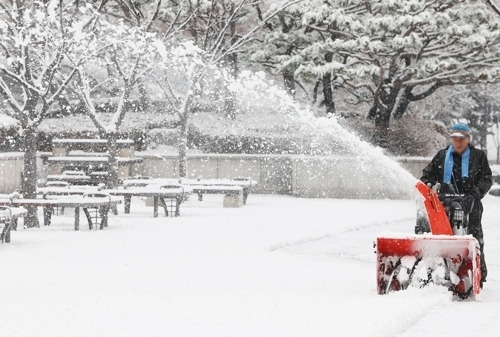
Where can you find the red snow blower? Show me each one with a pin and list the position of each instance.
(444, 257)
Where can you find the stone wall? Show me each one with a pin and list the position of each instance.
(11, 165)
(306, 176)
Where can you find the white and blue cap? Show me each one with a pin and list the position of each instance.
(460, 130)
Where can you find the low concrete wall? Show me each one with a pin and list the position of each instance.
(272, 173)
(11, 165)
(308, 176)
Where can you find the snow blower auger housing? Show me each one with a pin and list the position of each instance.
(440, 257)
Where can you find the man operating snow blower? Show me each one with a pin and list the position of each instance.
(461, 169)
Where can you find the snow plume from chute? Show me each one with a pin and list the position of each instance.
(339, 152)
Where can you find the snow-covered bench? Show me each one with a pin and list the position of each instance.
(89, 158)
(235, 191)
(233, 195)
(8, 220)
(160, 195)
(101, 202)
(71, 177)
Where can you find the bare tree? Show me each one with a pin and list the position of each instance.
(35, 38)
(216, 42)
(125, 55)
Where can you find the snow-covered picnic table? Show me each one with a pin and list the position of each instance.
(160, 194)
(8, 218)
(174, 193)
(71, 177)
(94, 168)
(240, 187)
(90, 157)
(101, 203)
(49, 191)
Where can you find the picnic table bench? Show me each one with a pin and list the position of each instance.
(90, 157)
(160, 194)
(58, 188)
(229, 187)
(8, 218)
(61, 190)
(101, 203)
(87, 169)
(70, 177)
(236, 191)
(229, 191)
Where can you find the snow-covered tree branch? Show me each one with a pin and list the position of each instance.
(36, 38)
(389, 45)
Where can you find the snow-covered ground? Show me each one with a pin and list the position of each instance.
(279, 266)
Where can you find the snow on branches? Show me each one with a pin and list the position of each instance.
(401, 45)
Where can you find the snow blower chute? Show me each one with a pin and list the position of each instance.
(443, 257)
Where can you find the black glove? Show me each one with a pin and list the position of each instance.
(467, 203)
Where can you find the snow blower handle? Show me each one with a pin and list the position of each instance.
(436, 188)
(438, 219)
(467, 201)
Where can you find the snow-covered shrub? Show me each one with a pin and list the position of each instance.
(9, 133)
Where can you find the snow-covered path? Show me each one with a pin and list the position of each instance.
(280, 266)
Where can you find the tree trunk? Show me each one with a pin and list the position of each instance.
(386, 103)
(229, 108)
(327, 89)
(289, 82)
(183, 113)
(483, 128)
(407, 97)
(403, 103)
(372, 113)
(232, 63)
(112, 176)
(29, 183)
(183, 134)
(328, 94)
(143, 97)
(382, 119)
(315, 91)
(380, 136)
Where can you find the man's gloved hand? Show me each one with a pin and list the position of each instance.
(467, 203)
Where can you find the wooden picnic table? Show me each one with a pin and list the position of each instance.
(229, 187)
(102, 205)
(160, 195)
(70, 177)
(9, 217)
(228, 190)
(49, 191)
(94, 168)
(221, 186)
